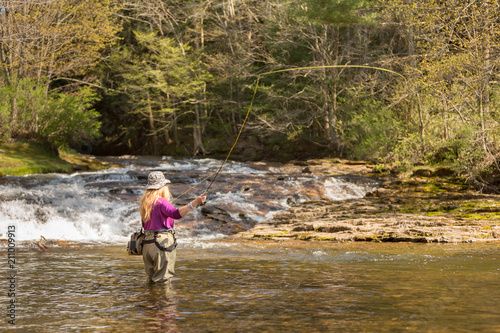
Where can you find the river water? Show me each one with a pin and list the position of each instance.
(223, 285)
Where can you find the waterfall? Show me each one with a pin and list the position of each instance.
(62, 207)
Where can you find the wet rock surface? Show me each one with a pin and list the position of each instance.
(423, 207)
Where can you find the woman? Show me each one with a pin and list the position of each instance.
(158, 215)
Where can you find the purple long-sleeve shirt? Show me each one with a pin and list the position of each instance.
(162, 216)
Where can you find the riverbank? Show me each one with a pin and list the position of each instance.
(24, 158)
(429, 205)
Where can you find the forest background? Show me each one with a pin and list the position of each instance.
(176, 77)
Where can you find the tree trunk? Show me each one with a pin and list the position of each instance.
(411, 46)
(176, 132)
(198, 143)
(484, 103)
(154, 137)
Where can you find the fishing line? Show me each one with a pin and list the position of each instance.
(216, 173)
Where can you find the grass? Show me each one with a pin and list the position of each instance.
(23, 158)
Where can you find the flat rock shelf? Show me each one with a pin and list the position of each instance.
(411, 209)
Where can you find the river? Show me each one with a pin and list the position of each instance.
(222, 285)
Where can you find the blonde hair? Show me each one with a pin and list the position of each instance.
(148, 201)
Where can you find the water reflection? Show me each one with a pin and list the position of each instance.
(159, 308)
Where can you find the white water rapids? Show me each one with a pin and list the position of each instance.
(102, 206)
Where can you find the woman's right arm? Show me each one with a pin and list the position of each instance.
(193, 204)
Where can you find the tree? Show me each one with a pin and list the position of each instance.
(58, 119)
(45, 41)
(454, 71)
(178, 21)
(54, 38)
(160, 81)
(321, 34)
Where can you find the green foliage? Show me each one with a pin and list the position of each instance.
(20, 104)
(162, 67)
(195, 67)
(161, 80)
(65, 37)
(337, 12)
(373, 132)
(408, 150)
(69, 118)
(451, 95)
(27, 111)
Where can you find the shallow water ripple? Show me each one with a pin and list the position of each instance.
(265, 287)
